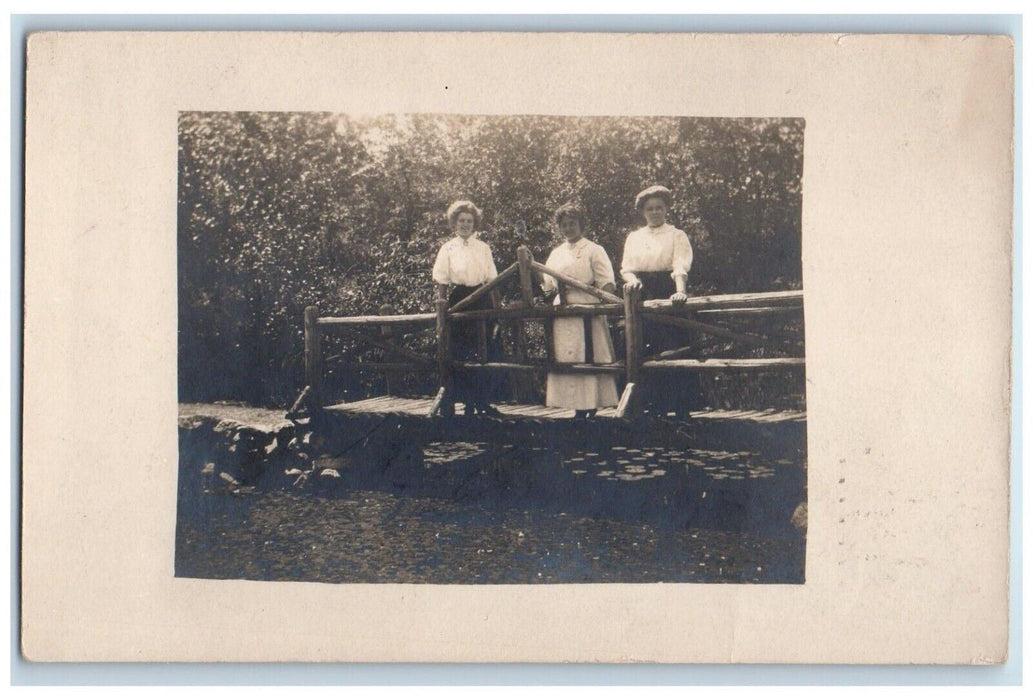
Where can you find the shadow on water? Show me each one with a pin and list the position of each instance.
(475, 511)
(663, 487)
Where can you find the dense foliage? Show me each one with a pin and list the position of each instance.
(281, 210)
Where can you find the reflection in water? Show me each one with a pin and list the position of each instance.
(471, 512)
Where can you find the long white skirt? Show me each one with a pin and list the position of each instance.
(581, 391)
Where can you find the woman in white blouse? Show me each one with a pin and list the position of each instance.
(586, 262)
(657, 258)
(465, 263)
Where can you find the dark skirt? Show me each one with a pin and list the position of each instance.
(675, 390)
(657, 337)
(470, 386)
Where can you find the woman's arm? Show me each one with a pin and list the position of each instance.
(491, 272)
(681, 262)
(546, 283)
(440, 272)
(628, 262)
(602, 270)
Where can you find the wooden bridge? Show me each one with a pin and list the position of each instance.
(721, 316)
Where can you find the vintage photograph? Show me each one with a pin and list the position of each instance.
(372, 346)
(459, 349)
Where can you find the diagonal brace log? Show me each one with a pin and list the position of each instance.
(485, 290)
(580, 286)
(386, 346)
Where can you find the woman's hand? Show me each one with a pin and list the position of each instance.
(679, 297)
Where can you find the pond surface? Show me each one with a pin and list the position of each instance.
(469, 512)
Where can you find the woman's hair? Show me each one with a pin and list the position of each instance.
(463, 206)
(572, 211)
(654, 191)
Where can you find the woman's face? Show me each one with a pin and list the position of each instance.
(464, 224)
(570, 228)
(655, 211)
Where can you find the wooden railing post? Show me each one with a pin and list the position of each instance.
(524, 386)
(482, 340)
(633, 331)
(632, 346)
(443, 402)
(589, 331)
(524, 260)
(550, 348)
(313, 359)
(386, 332)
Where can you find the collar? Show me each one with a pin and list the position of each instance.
(466, 241)
(659, 229)
(579, 243)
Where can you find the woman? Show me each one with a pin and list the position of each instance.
(586, 262)
(657, 258)
(465, 263)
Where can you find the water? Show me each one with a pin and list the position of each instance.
(470, 512)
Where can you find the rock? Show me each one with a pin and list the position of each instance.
(251, 439)
(226, 428)
(248, 445)
(330, 473)
(799, 518)
(293, 472)
(228, 479)
(285, 434)
(193, 422)
(338, 463)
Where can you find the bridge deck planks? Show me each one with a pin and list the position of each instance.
(387, 405)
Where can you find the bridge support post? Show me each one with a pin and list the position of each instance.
(443, 403)
(525, 385)
(387, 333)
(524, 260)
(313, 360)
(632, 348)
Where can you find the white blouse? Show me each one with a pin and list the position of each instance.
(464, 261)
(583, 260)
(657, 250)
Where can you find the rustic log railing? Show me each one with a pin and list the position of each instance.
(381, 331)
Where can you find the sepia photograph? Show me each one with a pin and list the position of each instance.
(431, 348)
